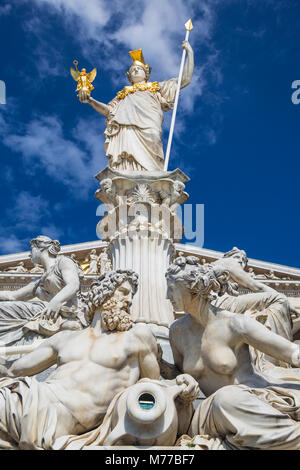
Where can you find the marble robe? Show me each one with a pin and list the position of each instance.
(134, 128)
(20, 320)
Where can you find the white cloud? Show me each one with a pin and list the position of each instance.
(153, 32)
(47, 58)
(50, 63)
(51, 231)
(93, 13)
(3, 124)
(11, 244)
(71, 161)
(211, 136)
(106, 30)
(5, 9)
(7, 174)
(28, 211)
(42, 144)
(28, 216)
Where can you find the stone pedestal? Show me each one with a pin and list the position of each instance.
(140, 227)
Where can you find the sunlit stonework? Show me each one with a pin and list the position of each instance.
(142, 193)
(137, 339)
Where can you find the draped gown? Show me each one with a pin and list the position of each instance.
(19, 320)
(134, 128)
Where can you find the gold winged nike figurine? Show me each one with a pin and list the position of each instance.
(84, 80)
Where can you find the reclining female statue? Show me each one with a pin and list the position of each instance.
(277, 310)
(263, 303)
(46, 305)
(244, 408)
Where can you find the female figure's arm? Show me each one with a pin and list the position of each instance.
(70, 276)
(189, 65)
(255, 334)
(171, 371)
(101, 108)
(25, 293)
(244, 279)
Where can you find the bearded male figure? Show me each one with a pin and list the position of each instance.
(134, 117)
(93, 366)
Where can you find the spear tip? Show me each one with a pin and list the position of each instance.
(189, 25)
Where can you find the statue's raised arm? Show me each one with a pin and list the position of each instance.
(189, 65)
(134, 117)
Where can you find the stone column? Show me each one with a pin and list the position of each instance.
(140, 227)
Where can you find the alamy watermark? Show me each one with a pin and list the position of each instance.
(296, 94)
(2, 92)
(187, 224)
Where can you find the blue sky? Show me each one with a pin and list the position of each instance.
(237, 131)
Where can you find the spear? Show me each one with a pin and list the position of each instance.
(188, 27)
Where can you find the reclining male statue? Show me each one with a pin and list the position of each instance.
(93, 366)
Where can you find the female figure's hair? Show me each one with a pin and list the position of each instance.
(207, 281)
(46, 243)
(236, 251)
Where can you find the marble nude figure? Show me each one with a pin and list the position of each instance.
(74, 407)
(264, 304)
(245, 408)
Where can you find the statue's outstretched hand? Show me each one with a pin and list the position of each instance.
(83, 96)
(191, 391)
(186, 45)
(51, 312)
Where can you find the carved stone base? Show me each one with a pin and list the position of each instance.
(140, 227)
